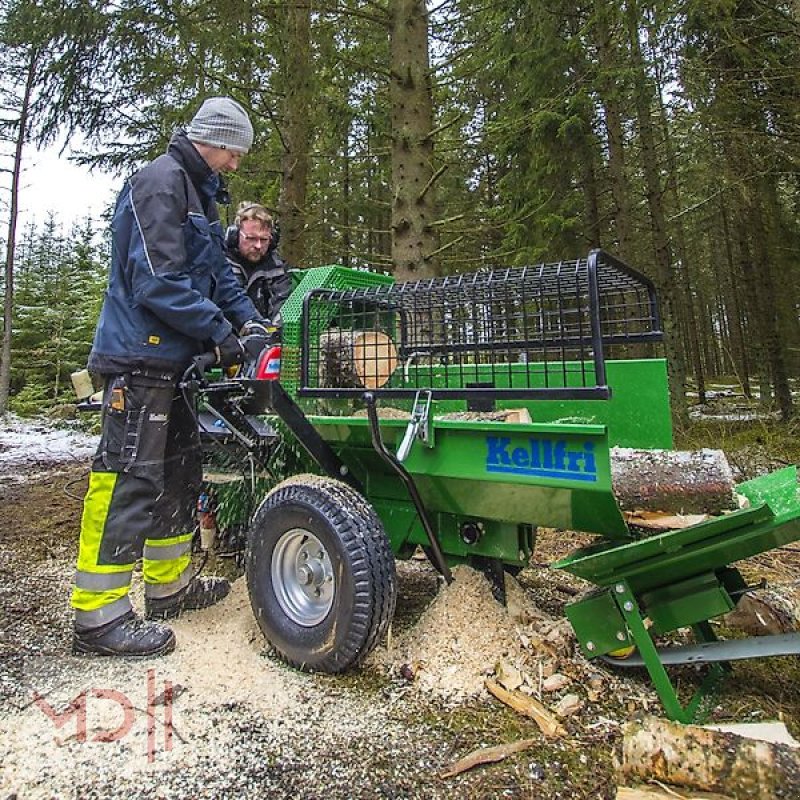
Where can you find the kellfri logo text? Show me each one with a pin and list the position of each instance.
(543, 458)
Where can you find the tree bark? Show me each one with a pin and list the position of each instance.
(296, 131)
(609, 90)
(743, 367)
(16, 174)
(414, 241)
(672, 481)
(671, 283)
(697, 758)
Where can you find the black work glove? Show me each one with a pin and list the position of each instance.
(229, 351)
(255, 327)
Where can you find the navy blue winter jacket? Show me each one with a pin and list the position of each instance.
(171, 294)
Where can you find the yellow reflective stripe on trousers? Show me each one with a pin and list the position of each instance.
(108, 612)
(165, 560)
(84, 600)
(93, 521)
(103, 585)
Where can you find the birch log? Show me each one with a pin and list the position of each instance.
(672, 481)
(652, 793)
(654, 749)
(355, 359)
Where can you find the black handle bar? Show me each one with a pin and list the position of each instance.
(204, 361)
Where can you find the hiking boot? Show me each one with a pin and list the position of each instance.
(200, 593)
(128, 635)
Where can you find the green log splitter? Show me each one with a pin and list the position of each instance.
(572, 346)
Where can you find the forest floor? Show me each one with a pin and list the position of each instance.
(221, 717)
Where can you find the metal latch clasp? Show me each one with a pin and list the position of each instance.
(418, 425)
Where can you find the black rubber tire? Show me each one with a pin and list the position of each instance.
(363, 568)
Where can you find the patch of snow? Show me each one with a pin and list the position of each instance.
(36, 442)
(699, 412)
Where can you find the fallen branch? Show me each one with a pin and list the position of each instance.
(665, 793)
(486, 755)
(530, 707)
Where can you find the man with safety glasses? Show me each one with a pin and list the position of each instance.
(251, 249)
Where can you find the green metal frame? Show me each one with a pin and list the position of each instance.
(498, 473)
(679, 579)
(329, 277)
(636, 415)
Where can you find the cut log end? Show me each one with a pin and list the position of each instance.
(355, 359)
(672, 481)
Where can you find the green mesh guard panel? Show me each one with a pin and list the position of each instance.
(330, 277)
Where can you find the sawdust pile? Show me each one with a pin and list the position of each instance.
(222, 655)
(465, 635)
(219, 662)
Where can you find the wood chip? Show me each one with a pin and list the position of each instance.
(656, 521)
(556, 682)
(530, 707)
(508, 676)
(486, 755)
(568, 705)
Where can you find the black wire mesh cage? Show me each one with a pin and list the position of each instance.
(536, 331)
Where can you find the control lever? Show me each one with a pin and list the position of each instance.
(417, 425)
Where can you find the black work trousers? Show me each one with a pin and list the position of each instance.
(141, 503)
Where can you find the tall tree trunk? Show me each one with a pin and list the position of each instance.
(609, 89)
(749, 271)
(689, 318)
(591, 207)
(346, 192)
(296, 130)
(670, 282)
(414, 240)
(773, 343)
(743, 366)
(13, 211)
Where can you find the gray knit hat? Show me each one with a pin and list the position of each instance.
(221, 122)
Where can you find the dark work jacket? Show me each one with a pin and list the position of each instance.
(267, 282)
(171, 294)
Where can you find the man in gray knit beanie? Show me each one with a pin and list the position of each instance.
(171, 296)
(221, 122)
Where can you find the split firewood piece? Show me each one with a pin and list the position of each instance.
(530, 707)
(712, 761)
(486, 755)
(767, 612)
(655, 521)
(672, 481)
(355, 358)
(648, 793)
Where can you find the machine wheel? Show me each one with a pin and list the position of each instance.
(320, 573)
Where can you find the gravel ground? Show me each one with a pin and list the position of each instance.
(240, 723)
(221, 717)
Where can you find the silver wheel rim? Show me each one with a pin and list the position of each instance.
(302, 576)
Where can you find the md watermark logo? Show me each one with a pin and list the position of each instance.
(157, 715)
